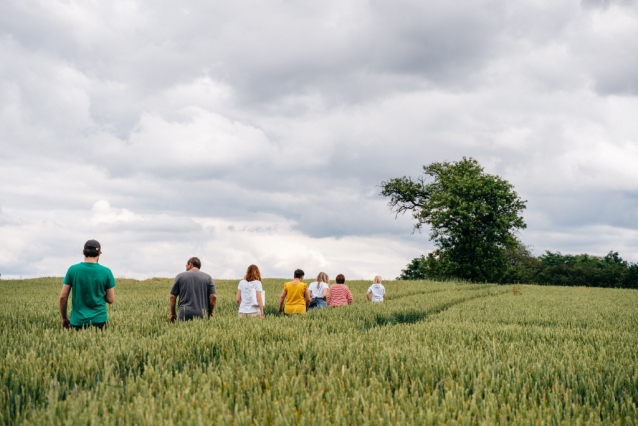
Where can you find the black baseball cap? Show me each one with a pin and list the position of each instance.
(92, 244)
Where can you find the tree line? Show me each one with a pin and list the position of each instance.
(474, 219)
(550, 268)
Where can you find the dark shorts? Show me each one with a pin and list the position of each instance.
(99, 326)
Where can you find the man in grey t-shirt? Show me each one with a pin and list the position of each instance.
(196, 292)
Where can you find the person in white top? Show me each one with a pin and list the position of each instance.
(250, 294)
(319, 291)
(376, 292)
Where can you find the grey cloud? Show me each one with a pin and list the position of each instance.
(588, 4)
(576, 209)
(603, 4)
(162, 228)
(619, 74)
(5, 219)
(338, 216)
(264, 58)
(438, 41)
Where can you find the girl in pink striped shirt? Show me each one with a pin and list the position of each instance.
(339, 293)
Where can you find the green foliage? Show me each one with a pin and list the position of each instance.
(586, 270)
(522, 265)
(430, 267)
(415, 270)
(472, 217)
(548, 269)
(433, 353)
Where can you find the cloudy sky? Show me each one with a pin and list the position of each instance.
(258, 131)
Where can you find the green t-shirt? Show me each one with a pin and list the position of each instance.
(89, 282)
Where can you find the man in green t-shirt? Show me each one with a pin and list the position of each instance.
(92, 286)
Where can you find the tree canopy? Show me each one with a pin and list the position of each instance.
(472, 215)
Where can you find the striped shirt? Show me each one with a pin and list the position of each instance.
(339, 295)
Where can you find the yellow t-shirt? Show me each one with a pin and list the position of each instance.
(295, 297)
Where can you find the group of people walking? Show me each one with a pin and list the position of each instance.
(300, 297)
(197, 294)
(193, 294)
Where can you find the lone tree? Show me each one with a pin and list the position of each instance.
(472, 216)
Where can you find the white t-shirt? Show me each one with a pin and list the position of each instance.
(249, 291)
(317, 292)
(377, 290)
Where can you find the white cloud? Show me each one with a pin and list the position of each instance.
(201, 145)
(104, 213)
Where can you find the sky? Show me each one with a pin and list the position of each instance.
(259, 131)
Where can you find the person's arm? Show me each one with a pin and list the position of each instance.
(110, 295)
(238, 297)
(325, 293)
(212, 297)
(368, 296)
(261, 304)
(110, 289)
(349, 296)
(212, 302)
(64, 301)
(307, 297)
(172, 301)
(284, 293)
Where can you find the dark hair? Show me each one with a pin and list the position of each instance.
(252, 273)
(340, 279)
(195, 262)
(91, 252)
(299, 273)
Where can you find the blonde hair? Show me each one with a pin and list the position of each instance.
(322, 278)
(377, 279)
(252, 273)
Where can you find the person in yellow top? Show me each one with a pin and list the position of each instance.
(296, 295)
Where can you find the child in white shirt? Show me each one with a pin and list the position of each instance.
(376, 292)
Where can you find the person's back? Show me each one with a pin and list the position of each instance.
(295, 295)
(89, 283)
(250, 294)
(339, 293)
(194, 289)
(377, 292)
(249, 289)
(91, 286)
(319, 292)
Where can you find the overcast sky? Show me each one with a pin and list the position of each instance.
(258, 131)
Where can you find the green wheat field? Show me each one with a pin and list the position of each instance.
(433, 353)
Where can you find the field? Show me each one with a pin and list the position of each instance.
(433, 353)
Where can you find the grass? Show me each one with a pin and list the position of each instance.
(432, 353)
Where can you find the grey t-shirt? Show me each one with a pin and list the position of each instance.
(193, 289)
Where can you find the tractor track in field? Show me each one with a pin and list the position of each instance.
(438, 290)
(414, 316)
